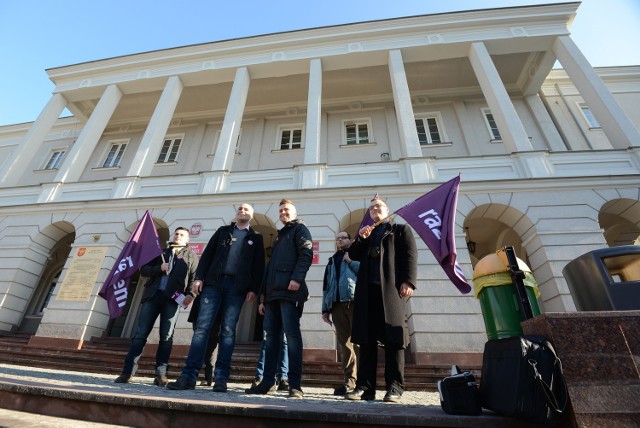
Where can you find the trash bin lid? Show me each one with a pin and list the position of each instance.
(494, 263)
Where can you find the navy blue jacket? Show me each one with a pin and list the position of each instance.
(291, 258)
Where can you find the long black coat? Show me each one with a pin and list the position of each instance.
(398, 264)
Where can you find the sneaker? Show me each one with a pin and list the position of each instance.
(182, 384)
(393, 395)
(283, 385)
(220, 386)
(123, 378)
(262, 389)
(161, 381)
(342, 390)
(295, 393)
(361, 394)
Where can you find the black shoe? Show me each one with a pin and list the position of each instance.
(220, 386)
(283, 385)
(256, 381)
(361, 394)
(262, 389)
(182, 384)
(123, 378)
(342, 390)
(295, 393)
(393, 395)
(160, 381)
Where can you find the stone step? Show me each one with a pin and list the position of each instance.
(106, 356)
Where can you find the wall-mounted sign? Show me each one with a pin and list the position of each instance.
(82, 274)
(195, 230)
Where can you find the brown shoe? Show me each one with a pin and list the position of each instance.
(161, 381)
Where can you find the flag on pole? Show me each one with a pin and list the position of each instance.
(432, 216)
(366, 219)
(142, 247)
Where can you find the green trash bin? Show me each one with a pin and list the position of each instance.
(493, 286)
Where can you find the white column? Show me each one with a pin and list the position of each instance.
(468, 132)
(512, 131)
(548, 128)
(404, 109)
(78, 157)
(314, 109)
(615, 123)
(30, 146)
(223, 158)
(151, 143)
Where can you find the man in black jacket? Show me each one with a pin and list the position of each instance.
(387, 277)
(170, 273)
(284, 291)
(229, 274)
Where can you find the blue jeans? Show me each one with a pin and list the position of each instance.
(283, 368)
(167, 309)
(223, 296)
(282, 315)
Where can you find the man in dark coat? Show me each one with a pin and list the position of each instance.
(170, 275)
(228, 274)
(386, 279)
(284, 291)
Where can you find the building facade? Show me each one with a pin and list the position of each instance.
(549, 161)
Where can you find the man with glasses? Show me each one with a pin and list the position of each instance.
(387, 277)
(338, 288)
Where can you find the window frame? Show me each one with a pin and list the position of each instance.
(588, 116)
(168, 160)
(495, 136)
(291, 128)
(51, 164)
(357, 121)
(437, 117)
(119, 154)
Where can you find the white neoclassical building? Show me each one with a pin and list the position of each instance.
(549, 160)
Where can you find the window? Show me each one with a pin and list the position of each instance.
(169, 151)
(588, 116)
(55, 159)
(290, 138)
(356, 132)
(115, 155)
(429, 130)
(491, 124)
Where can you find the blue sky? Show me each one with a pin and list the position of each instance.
(36, 35)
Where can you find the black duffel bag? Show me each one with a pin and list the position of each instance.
(522, 378)
(459, 393)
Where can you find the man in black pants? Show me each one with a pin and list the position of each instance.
(387, 277)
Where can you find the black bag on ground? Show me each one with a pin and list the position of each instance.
(459, 393)
(522, 378)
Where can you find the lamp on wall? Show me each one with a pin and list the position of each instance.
(471, 245)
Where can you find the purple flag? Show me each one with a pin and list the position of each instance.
(432, 216)
(366, 219)
(142, 247)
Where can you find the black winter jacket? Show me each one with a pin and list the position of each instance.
(214, 257)
(290, 260)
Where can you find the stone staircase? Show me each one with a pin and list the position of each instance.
(106, 356)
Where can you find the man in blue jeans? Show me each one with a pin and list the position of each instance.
(285, 291)
(169, 273)
(228, 274)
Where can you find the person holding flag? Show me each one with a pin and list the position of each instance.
(170, 277)
(387, 277)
